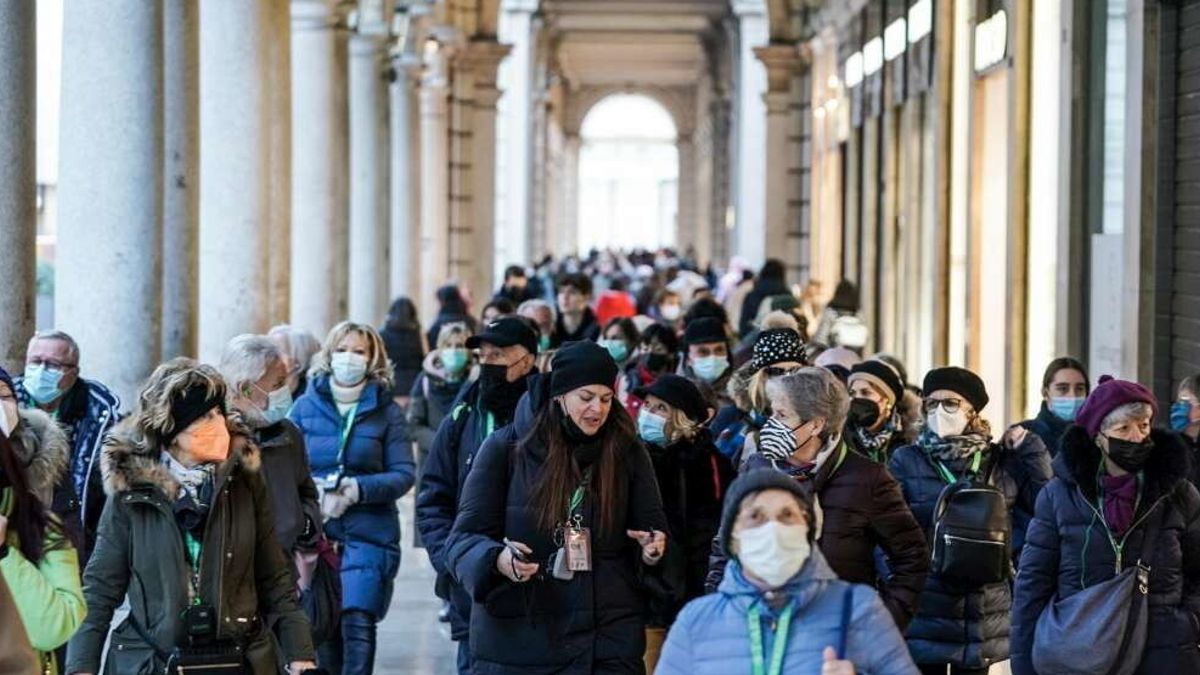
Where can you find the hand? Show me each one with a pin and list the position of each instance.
(1014, 437)
(349, 489)
(653, 544)
(297, 667)
(334, 503)
(512, 568)
(833, 666)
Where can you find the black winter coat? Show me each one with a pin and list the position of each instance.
(1048, 427)
(1067, 547)
(968, 629)
(861, 509)
(406, 352)
(594, 623)
(762, 289)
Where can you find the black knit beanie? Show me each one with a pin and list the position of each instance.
(580, 364)
(753, 482)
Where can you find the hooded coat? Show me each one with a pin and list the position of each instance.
(433, 394)
(1060, 557)
(140, 557)
(712, 637)
(594, 623)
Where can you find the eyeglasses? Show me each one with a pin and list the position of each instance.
(777, 371)
(950, 405)
(50, 364)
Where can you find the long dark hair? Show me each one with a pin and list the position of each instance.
(1065, 363)
(402, 315)
(561, 474)
(28, 518)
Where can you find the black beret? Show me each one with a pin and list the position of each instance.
(680, 393)
(958, 380)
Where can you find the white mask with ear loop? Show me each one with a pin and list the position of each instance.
(8, 417)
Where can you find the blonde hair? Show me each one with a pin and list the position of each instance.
(379, 367)
(757, 391)
(151, 419)
(680, 425)
(456, 333)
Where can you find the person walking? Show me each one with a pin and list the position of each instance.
(559, 518)
(620, 337)
(298, 347)
(1065, 387)
(361, 459)
(405, 347)
(779, 597)
(576, 320)
(874, 427)
(1120, 497)
(769, 282)
(656, 356)
(452, 308)
(187, 540)
(1184, 418)
(706, 360)
(966, 626)
(840, 324)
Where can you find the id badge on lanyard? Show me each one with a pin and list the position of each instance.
(576, 544)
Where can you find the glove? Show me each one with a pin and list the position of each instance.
(335, 502)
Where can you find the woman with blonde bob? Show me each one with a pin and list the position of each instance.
(361, 459)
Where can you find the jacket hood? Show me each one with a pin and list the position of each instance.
(813, 576)
(1078, 461)
(532, 402)
(42, 447)
(129, 461)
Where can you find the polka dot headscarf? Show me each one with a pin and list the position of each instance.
(775, 346)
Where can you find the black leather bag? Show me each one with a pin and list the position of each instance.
(972, 535)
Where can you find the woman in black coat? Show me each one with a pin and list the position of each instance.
(405, 346)
(1116, 481)
(567, 468)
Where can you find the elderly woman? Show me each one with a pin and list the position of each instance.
(298, 347)
(777, 352)
(874, 428)
(965, 627)
(861, 504)
(1116, 482)
(187, 540)
(361, 459)
(256, 374)
(558, 519)
(779, 599)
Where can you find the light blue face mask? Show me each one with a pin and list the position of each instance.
(617, 349)
(710, 368)
(454, 360)
(279, 402)
(543, 343)
(652, 428)
(1066, 408)
(41, 383)
(348, 368)
(1181, 415)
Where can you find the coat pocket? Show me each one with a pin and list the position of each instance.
(130, 657)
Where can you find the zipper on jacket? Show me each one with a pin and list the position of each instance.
(948, 538)
(87, 479)
(1118, 549)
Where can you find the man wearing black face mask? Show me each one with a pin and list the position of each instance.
(507, 347)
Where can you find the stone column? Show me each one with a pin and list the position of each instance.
(110, 188)
(18, 179)
(181, 172)
(750, 194)
(435, 186)
(320, 166)
(461, 235)
(368, 168)
(279, 121)
(570, 181)
(234, 174)
(405, 205)
(686, 226)
(516, 75)
(484, 59)
(782, 62)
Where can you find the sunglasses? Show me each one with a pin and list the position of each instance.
(950, 405)
(777, 371)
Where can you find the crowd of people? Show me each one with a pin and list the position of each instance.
(621, 463)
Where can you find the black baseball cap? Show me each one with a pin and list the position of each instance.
(507, 331)
(704, 330)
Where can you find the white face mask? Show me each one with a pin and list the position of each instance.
(773, 552)
(8, 417)
(670, 312)
(348, 368)
(947, 425)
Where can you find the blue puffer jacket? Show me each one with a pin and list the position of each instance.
(379, 456)
(1068, 547)
(711, 635)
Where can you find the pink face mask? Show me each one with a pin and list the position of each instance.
(210, 440)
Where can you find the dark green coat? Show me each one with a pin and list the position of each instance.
(140, 553)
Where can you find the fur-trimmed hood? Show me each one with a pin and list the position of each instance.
(43, 449)
(1078, 461)
(129, 460)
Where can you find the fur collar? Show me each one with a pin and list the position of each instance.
(129, 461)
(1078, 461)
(42, 447)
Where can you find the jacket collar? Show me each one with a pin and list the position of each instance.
(372, 396)
(42, 447)
(1079, 457)
(1054, 423)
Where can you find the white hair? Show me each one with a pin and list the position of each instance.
(815, 392)
(301, 344)
(1126, 413)
(246, 359)
(72, 346)
(536, 304)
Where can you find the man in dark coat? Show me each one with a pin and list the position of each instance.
(516, 288)
(770, 282)
(576, 320)
(507, 348)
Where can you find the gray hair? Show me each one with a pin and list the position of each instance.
(457, 330)
(301, 344)
(246, 359)
(538, 304)
(815, 392)
(1126, 413)
(72, 346)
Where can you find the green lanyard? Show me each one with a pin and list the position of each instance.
(948, 475)
(754, 623)
(347, 424)
(577, 496)
(489, 425)
(194, 550)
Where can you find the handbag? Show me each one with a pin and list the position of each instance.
(1101, 629)
(320, 587)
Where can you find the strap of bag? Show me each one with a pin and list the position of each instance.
(847, 613)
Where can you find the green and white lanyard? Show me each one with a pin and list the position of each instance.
(782, 633)
(347, 424)
(577, 499)
(194, 550)
(948, 475)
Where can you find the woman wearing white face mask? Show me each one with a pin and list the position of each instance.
(780, 607)
(361, 459)
(966, 628)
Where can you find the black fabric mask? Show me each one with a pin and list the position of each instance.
(496, 394)
(655, 362)
(1128, 455)
(586, 449)
(864, 413)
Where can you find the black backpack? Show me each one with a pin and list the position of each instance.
(972, 534)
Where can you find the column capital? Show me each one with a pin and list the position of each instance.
(778, 102)
(372, 17)
(311, 15)
(782, 62)
(482, 58)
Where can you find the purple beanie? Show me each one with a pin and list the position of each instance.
(1107, 397)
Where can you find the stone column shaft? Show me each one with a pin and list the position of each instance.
(686, 226)
(368, 178)
(279, 105)
(435, 190)
(485, 57)
(404, 248)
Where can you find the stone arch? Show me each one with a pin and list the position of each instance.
(679, 102)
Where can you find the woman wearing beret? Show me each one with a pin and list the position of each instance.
(874, 428)
(1116, 482)
(965, 628)
(559, 517)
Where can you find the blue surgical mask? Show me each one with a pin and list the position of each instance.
(1066, 408)
(279, 402)
(454, 360)
(41, 383)
(652, 428)
(710, 368)
(348, 368)
(1181, 415)
(617, 349)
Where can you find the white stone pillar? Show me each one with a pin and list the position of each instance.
(320, 166)
(750, 117)
(110, 188)
(516, 79)
(405, 207)
(368, 172)
(18, 179)
(279, 121)
(686, 226)
(435, 186)
(234, 174)
(569, 218)
(781, 62)
(181, 173)
(484, 59)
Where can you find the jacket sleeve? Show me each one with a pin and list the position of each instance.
(399, 469)
(717, 561)
(645, 501)
(104, 584)
(419, 430)
(1037, 581)
(1034, 470)
(676, 657)
(273, 579)
(1190, 545)
(475, 540)
(48, 595)
(903, 541)
(310, 502)
(874, 643)
(437, 503)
